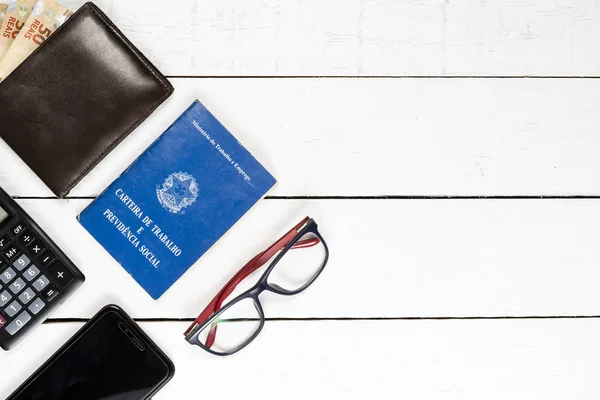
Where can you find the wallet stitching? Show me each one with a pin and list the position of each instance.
(120, 137)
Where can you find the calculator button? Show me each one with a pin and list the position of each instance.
(21, 262)
(60, 273)
(2, 321)
(4, 241)
(38, 248)
(5, 297)
(19, 228)
(7, 275)
(40, 283)
(26, 296)
(47, 258)
(13, 309)
(36, 306)
(11, 253)
(50, 293)
(27, 239)
(18, 323)
(17, 286)
(31, 273)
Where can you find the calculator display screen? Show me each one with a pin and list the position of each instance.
(3, 214)
(102, 363)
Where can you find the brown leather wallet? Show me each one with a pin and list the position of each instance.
(76, 97)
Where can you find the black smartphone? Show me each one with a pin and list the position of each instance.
(109, 358)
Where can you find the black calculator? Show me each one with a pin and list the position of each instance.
(35, 276)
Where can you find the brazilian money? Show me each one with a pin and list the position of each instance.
(24, 25)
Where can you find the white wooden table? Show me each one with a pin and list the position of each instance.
(448, 150)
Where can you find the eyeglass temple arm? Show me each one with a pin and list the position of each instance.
(251, 266)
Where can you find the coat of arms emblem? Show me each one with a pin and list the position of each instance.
(177, 192)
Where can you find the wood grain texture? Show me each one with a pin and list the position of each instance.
(363, 37)
(427, 258)
(451, 360)
(378, 136)
(345, 137)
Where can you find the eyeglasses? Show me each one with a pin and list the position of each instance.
(302, 257)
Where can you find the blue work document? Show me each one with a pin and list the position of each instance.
(176, 200)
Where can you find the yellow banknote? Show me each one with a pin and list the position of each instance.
(16, 15)
(45, 18)
(3, 8)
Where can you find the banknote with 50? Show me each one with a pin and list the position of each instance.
(26, 24)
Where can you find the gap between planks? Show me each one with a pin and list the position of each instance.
(344, 319)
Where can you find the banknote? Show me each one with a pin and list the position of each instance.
(16, 15)
(45, 18)
(3, 8)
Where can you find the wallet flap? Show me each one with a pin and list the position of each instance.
(76, 97)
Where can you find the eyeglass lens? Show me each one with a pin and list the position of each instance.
(232, 327)
(299, 265)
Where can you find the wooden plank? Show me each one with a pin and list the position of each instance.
(348, 137)
(363, 37)
(450, 360)
(419, 258)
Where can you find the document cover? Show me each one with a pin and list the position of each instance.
(176, 200)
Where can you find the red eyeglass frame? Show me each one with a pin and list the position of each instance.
(255, 263)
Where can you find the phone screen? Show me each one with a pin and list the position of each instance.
(110, 360)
